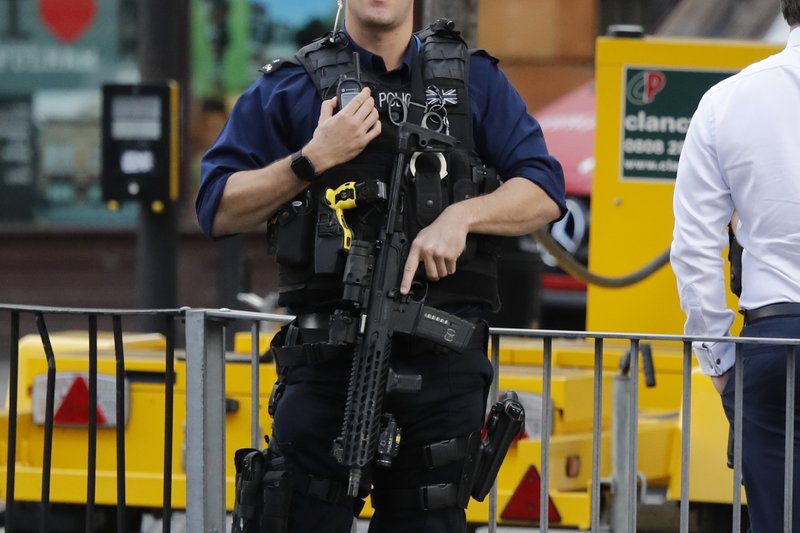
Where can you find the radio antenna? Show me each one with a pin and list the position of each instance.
(336, 20)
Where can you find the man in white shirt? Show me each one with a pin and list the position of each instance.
(742, 153)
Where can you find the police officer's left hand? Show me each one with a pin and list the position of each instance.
(438, 246)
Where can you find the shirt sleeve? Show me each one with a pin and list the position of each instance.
(703, 207)
(506, 136)
(256, 134)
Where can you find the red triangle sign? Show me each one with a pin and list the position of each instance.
(67, 19)
(74, 407)
(524, 503)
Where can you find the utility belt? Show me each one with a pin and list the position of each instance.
(306, 341)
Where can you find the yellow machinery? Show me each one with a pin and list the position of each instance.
(143, 421)
(647, 91)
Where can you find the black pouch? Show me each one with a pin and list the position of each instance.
(466, 181)
(429, 187)
(286, 336)
(247, 509)
(294, 241)
(328, 242)
(277, 494)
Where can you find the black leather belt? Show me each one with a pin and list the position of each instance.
(771, 311)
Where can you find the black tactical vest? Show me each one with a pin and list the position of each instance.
(306, 238)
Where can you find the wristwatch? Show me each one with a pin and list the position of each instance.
(302, 167)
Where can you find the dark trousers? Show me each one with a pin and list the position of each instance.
(451, 404)
(763, 424)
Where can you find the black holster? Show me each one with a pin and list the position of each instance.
(263, 492)
(247, 508)
(506, 422)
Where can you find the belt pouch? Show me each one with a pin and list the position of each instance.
(277, 499)
(328, 242)
(295, 234)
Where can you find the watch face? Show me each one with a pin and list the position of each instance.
(302, 167)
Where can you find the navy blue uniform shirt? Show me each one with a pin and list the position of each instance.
(279, 112)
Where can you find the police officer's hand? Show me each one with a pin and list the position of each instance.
(438, 246)
(341, 136)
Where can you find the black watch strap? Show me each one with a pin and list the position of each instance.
(302, 167)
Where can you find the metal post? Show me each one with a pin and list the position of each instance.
(494, 391)
(738, 406)
(544, 489)
(633, 436)
(620, 426)
(163, 55)
(686, 426)
(205, 424)
(255, 386)
(119, 357)
(597, 424)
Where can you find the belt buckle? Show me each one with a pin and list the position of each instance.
(435, 496)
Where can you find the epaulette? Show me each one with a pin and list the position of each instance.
(277, 64)
(483, 53)
(326, 60)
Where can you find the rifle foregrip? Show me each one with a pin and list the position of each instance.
(443, 328)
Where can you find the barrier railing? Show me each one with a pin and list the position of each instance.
(206, 474)
(206, 409)
(39, 315)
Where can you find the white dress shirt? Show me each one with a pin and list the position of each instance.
(742, 152)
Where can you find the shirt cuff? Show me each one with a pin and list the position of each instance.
(715, 358)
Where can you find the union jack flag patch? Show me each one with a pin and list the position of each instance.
(435, 96)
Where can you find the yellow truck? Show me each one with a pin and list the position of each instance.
(646, 92)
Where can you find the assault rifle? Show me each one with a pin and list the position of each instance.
(373, 271)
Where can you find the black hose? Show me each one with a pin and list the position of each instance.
(572, 267)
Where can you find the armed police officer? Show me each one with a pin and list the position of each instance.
(288, 154)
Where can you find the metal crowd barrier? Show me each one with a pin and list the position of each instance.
(205, 412)
(39, 315)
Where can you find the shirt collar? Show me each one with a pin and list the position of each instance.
(375, 62)
(794, 38)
